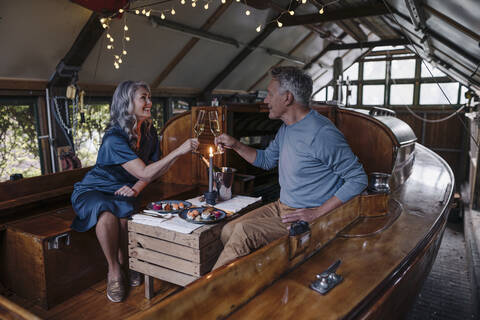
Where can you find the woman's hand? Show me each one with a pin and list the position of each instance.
(126, 191)
(188, 146)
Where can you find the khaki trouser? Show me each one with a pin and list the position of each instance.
(252, 231)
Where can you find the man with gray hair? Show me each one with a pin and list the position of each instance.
(318, 171)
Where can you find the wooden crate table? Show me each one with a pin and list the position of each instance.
(173, 256)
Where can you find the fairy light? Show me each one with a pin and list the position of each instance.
(321, 11)
(109, 47)
(291, 12)
(247, 12)
(224, 1)
(144, 11)
(182, 1)
(127, 39)
(304, 1)
(125, 28)
(279, 24)
(194, 4)
(148, 13)
(120, 10)
(137, 11)
(259, 28)
(124, 52)
(172, 12)
(162, 16)
(206, 6)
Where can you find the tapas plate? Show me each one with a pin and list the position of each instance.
(169, 206)
(203, 215)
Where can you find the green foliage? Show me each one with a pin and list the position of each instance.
(19, 151)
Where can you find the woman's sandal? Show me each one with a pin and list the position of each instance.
(116, 290)
(135, 278)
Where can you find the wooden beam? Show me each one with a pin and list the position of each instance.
(243, 54)
(371, 44)
(322, 52)
(352, 30)
(191, 43)
(334, 15)
(78, 53)
(453, 23)
(307, 37)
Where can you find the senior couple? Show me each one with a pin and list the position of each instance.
(317, 172)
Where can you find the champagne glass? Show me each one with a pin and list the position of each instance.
(215, 127)
(199, 125)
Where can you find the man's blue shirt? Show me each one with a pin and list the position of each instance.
(315, 163)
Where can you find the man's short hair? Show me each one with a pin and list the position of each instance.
(295, 80)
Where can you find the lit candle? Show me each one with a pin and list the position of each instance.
(210, 170)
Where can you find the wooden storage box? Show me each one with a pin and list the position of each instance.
(42, 259)
(173, 256)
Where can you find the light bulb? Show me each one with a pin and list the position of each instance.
(321, 11)
(148, 13)
(127, 38)
(120, 60)
(194, 4)
(109, 47)
(120, 10)
(125, 28)
(182, 1)
(291, 12)
(304, 1)
(247, 12)
(238, 0)
(104, 26)
(108, 35)
(116, 65)
(137, 11)
(162, 16)
(103, 20)
(143, 11)
(224, 1)
(279, 24)
(111, 39)
(172, 11)
(206, 6)
(124, 52)
(117, 56)
(259, 28)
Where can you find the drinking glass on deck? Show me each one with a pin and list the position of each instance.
(199, 125)
(215, 128)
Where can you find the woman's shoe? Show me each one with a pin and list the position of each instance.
(135, 278)
(116, 290)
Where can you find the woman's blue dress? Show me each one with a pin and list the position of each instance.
(95, 193)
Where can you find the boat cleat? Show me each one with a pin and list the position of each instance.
(328, 279)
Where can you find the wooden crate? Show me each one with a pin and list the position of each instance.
(43, 260)
(173, 256)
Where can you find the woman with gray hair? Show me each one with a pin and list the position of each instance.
(128, 159)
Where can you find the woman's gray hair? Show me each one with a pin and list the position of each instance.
(121, 109)
(295, 80)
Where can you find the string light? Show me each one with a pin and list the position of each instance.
(127, 38)
(182, 1)
(291, 12)
(124, 52)
(304, 1)
(148, 13)
(194, 4)
(206, 6)
(120, 10)
(172, 11)
(162, 16)
(137, 11)
(125, 28)
(259, 28)
(224, 1)
(321, 11)
(279, 24)
(247, 12)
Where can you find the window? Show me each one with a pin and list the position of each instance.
(463, 100)
(381, 48)
(373, 94)
(403, 69)
(351, 73)
(374, 70)
(401, 94)
(435, 72)
(329, 93)
(430, 93)
(19, 149)
(321, 95)
(352, 100)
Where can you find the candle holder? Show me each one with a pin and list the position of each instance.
(211, 197)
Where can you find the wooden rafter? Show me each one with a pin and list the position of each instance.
(307, 37)
(189, 46)
(352, 29)
(242, 55)
(334, 15)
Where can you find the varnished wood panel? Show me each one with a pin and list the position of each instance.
(175, 132)
(435, 134)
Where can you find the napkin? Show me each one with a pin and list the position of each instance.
(174, 223)
(234, 205)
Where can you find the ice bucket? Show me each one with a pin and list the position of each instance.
(224, 182)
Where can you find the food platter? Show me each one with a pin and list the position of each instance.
(168, 206)
(214, 215)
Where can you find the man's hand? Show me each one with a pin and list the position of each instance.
(306, 214)
(225, 141)
(126, 191)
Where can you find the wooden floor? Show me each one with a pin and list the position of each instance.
(94, 304)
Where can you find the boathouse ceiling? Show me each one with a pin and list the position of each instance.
(223, 47)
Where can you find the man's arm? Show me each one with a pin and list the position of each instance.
(310, 214)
